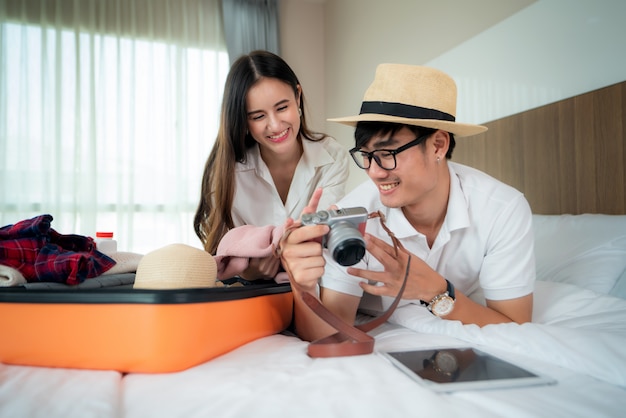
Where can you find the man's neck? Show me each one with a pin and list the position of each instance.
(428, 216)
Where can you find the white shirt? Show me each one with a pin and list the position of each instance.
(257, 202)
(485, 243)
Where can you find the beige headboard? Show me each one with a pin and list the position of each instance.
(566, 157)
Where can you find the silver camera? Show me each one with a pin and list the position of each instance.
(345, 238)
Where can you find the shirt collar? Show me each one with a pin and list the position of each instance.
(458, 208)
(255, 164)
(313, 156)
(457, 216)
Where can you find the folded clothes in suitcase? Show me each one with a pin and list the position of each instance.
(136, 330)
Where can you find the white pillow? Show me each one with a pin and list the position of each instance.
(587, 250)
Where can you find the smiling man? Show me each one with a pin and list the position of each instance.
(468, 235)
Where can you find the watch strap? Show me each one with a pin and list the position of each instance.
(449, 291)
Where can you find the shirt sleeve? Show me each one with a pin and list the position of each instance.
(508, 269)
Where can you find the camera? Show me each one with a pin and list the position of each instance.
(345, 238)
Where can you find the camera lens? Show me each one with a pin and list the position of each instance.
(346, 244)
(349, 252)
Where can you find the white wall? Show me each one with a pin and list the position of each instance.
(507, 56)
(302, 46)
(551, 50)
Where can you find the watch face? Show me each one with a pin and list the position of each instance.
(446, 363)
(443, 306)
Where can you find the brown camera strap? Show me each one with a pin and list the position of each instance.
(349, 340)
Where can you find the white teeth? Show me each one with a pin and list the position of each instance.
(386, 187)
(279, 135)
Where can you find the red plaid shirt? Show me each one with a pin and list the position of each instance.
(42, 254)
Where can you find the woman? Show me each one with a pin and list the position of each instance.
(265, 163)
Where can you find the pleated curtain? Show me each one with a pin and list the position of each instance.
(108, 110)
(250, 25)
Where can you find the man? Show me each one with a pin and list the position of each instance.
(466, 233)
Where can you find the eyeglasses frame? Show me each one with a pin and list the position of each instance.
(393, 152)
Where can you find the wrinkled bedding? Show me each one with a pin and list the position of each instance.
(578, 337)
(581, 348)
(578, 340)
(49, 392)
(572, 327)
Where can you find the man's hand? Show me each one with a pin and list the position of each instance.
(313, 202)
(301, 251)
(423, 282)
(302, 255)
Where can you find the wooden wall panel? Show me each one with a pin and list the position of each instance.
(566, 157)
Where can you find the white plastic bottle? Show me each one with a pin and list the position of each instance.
(105, 243)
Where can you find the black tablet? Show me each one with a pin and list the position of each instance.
(455, 369)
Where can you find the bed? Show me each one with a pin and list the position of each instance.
(577, 337)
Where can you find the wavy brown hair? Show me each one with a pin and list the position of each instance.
(213, 217)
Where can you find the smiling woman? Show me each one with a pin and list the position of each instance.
(98, 104)
(266, 163)
(274, 123)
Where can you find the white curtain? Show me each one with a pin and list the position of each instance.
(250, 25)
(108, 110)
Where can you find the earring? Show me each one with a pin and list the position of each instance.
(438, 160)
(300, 112)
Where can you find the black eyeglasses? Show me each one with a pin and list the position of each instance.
(385, 158)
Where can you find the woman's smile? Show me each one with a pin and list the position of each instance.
(279, 137)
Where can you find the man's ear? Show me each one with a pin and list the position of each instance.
(441, 143)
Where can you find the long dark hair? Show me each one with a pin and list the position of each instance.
(213, 217)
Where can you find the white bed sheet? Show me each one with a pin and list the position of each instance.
(33, 392)
(250, 383)
(580, 342)
(578, 339)
(572, 327)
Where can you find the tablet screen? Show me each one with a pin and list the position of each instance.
(453, 369)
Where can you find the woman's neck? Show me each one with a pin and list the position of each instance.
(282, 167)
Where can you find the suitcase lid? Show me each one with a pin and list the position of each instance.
(125, 294)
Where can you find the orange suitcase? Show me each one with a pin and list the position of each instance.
(133, 330)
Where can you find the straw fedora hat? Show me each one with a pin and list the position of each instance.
(412, 95)
(176, 266)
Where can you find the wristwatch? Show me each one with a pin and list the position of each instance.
(445, 363)
(442, 304)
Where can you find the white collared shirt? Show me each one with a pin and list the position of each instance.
(485, 243)
(324, 163)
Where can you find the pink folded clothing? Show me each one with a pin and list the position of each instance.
(244, 242)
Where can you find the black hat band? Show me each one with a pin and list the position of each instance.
(404, 111)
